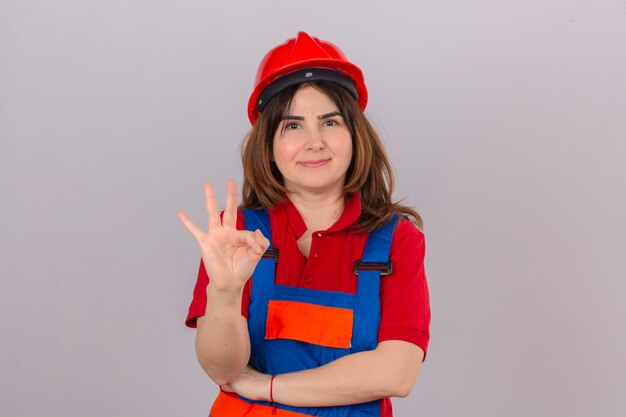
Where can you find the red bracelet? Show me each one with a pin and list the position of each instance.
(272, 388)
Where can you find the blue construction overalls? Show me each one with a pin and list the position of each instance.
(280, 345)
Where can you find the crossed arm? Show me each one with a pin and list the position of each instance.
(388, 371)
(223, 350)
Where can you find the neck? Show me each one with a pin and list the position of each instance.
(319, 211)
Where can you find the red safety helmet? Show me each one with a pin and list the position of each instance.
(301, 59)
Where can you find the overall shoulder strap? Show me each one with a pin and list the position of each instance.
(375, 261)
(259, 219)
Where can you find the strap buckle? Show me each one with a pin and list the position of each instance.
(271, 254)
(385, 268)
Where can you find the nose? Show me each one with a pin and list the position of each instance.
(315, 141)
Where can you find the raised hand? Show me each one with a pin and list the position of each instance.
(229, 255)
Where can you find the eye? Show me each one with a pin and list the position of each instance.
(331, 122)
(291, 126)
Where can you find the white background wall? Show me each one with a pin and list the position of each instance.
(506, 123)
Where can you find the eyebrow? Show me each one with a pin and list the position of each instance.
(290, 117)
(327, 115)
(321, 117)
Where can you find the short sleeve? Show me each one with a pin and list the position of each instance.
(405, 302)
(197, 307)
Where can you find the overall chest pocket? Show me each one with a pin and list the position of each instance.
(309, 323)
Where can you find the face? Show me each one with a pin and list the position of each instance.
(313, 145)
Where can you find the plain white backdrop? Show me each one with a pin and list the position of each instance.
(505, 121)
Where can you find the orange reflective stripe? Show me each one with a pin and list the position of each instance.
(229, 406)
(310, 323)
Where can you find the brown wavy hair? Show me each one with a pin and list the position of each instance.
(370, 173)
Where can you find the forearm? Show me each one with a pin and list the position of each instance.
(356, 378)
(388, 371)
(222, 340)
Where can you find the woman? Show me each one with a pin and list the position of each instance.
(335, 318)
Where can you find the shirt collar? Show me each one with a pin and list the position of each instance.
(351, 213)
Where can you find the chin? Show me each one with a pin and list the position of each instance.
(316, 186)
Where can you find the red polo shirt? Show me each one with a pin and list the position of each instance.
(404, 301)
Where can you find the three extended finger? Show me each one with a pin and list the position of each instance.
(211, 207)
(190, 225)
(230, 210)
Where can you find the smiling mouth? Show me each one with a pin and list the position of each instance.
(314, 164)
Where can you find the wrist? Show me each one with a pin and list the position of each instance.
(224, 296)
(271, 390)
